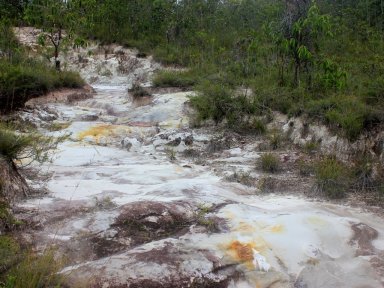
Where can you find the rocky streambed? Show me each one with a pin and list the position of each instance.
(134, 199)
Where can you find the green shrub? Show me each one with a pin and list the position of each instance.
(138, 92)
(32, 146)
(69, 79)
(311, 147)
(347, 113)
(35, 271)
(12, 145)
(270, 163)
(275, 139)
(258, 126)
(172, 78)
(363, 173)
(331, 177)
(9, 252)
(305, 167)
(213, 101)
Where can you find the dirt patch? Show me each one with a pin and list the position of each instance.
(363, 237)
(63, 96)
(147, 221)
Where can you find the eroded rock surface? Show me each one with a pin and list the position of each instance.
(138, 199)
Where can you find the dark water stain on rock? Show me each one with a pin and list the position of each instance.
(363, 237)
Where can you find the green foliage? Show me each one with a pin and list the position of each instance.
(9, 252)
(213, 101)
(25, 148)
(305, 167)
(298, 58)
(348, 113)
(138, 92)
(333, 76)
(275, 138)
(24, 80)
(34, 271)
(331, 177)
(174, 78)
(269, 162)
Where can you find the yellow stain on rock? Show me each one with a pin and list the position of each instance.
(316, 221)
(245, 227)
(275, 228)
(103, 130)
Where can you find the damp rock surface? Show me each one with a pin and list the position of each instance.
(138, 199)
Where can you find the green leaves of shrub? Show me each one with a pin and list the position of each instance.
(331, 177)
(270, 162)
(172, 78)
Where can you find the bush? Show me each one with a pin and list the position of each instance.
(15, 146)
(347, 113)
(22, 81)
(138, 92)
(331, 177)
(171, 78)
(12, 144)
(9, 252)
(214, 101)
(270, 163)
(305, 167)
(35, 271)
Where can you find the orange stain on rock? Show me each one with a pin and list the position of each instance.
(242, 251)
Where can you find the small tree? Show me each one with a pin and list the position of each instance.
(52, 16)
(299, 35)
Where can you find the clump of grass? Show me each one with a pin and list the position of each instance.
(276, 139)
(138, 91)
(12, 144)
(267, 184)
(35, 271)
(242, 177)
(270, 163)
(58, 126)
(205, 220)
(171, 153)
(331, 177)
(191, 153)
(16, 146)
(311, 147)
(172, 78)
(363, 173)
(305, 167)
(258, 126)
(9, 253)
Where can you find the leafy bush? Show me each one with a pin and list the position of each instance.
(214, 101)
(347, 113)
(331, 177)
(27, 79)
(269, 163)
(171, 78)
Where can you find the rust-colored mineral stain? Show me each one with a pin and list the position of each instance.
(242, 251)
